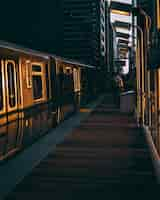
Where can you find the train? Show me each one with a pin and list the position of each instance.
(37, 92)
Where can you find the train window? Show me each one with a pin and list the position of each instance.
(36, 68)
(1, 89)
(37, 87)
(37, 82)
(11, 84)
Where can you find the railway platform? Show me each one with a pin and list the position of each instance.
(105, 156)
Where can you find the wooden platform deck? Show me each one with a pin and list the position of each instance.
(106, 157)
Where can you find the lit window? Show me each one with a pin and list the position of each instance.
(76, 80)
(37, 87)
(11, 84)
(1, 89)
(36, 68)
(37, 82)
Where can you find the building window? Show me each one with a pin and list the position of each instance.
(1, 89)
(11, 84)
(37, 82)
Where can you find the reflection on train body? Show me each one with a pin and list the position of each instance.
(37, 91)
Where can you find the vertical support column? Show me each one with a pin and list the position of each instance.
(142, 78)
(149, 100)
(154, 109)
(155, 123)
(138, 80)
(158, 14)
(152, 100)
(158, 110)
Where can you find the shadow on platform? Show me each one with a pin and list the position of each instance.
(105, 157)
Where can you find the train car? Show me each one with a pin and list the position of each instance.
(37, 91)
(25, 112)
(83, 81)
(68, 87)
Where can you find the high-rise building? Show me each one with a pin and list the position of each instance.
(37, 24)
(109, 38)
(84, 31)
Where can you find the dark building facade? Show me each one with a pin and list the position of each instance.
(152, 9)
(70, 28)
(84, 31)
(149, 8)
(32, 24)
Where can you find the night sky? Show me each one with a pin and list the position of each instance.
(32, 23)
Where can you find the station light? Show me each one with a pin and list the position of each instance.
(120, 12)
(121, 8)
(123, 50)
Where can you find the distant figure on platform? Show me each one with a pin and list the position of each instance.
(118, 87)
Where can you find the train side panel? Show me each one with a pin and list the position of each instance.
(36, 93)
(65, 86)
(37, 117)
(9, 105)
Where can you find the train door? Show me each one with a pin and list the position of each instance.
(39, 95)
(3, 116)
(53, 110)
(11, 86)
(60, 91)
(69, 105)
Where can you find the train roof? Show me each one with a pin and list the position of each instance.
(25, 50)
(19, 48)
(70, 61)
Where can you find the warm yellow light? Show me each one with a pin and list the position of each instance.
(123, 49)
(28, 61)
(120, 12)
(85, 110)
(158, 14)
(68, 67)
